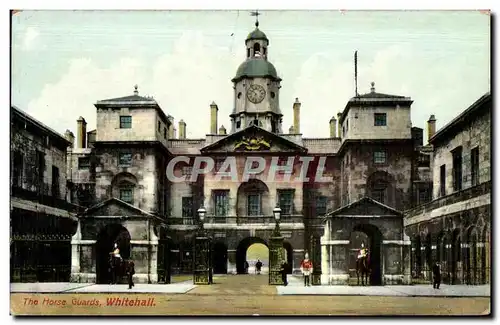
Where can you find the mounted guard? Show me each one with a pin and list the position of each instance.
(363, 264)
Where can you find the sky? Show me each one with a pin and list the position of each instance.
(65, 61)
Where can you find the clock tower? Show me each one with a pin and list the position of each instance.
(256, 88)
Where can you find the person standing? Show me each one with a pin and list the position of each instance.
(284, 269)
(436, 276)
(130, 274)
(306, 268)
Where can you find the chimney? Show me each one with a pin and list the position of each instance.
(290, 130)
(171, 130)
(213, 118)
(182, 129)
(333, 127)
(431, 127)
(339, 129)
(296, 116)
(70, 137)
(222, 130)
(81, 133)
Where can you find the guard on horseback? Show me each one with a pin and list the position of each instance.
(116, 252)
(363, 264)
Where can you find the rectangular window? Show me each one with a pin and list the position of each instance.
(40, 158)
(474, 168)
(127, 195)
(442, 180)
(238, 124)
(164, 132)
(125, 122)
(285, 198)
(380, 157)
(18, 169)
(221, 203)
(253, 206)
(321, 203)
(187, 207)
(84, 163)
(380, 119)
(159, 126)
(55, 181)
(423, 196)
(125, 160)
(457, 169)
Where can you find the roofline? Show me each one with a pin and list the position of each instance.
(445, 130)
(135, 105)
(364, 198)
(39, 124)
(355, 101)
(236, 79)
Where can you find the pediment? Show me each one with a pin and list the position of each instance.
(365, 207)
(253, 140)
(115, 208)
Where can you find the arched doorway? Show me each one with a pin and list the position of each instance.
(108, 236)
(220, 258)
(371, 237)
(241, 253)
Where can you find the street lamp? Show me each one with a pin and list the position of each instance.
(201, 213)
(277, 216)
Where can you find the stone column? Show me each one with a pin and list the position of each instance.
(75, 255)
(153, 256)
(406, 260)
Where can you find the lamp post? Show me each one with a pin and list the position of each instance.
(201, 214)
(202, 269)
(277, 216)
(275, 251)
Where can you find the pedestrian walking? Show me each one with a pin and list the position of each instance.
(306, 268)
(258, 266)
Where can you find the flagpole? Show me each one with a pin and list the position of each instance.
(356, 72)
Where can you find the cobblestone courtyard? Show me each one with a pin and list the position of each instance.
(243, 295)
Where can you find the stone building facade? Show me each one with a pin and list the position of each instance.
(359, 182)
(42, 220)
(454, 229)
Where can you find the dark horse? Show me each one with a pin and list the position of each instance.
(363, 269)
(117, 268)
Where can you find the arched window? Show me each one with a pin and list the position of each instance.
(126, 192)
(256, 49)
(379, 191)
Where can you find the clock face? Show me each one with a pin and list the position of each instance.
(256, 93)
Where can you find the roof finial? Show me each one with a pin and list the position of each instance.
(256, 14)
(373, 87)
(136, 92)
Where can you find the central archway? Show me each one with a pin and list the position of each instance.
(372, 239)
(241, 252)
(108, 236)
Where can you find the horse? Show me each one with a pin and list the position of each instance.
(363, 269)
(117, 268)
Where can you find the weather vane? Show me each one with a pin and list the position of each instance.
(256, 14)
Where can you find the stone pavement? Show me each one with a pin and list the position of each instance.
(256, 285)
(296, 287)
(180, 287)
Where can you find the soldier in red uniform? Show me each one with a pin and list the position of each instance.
(306, 267)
